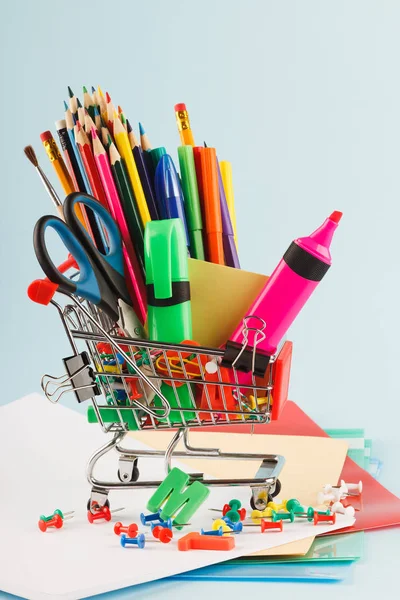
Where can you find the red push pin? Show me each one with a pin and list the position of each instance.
(101, 513)
(56, 521)
(319, 518)
(266, 525)
(130, 530)
(162, 533)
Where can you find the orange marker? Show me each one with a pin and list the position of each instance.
(212, 206)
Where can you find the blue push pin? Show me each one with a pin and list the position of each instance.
(166, 524)
(234, 526)
(212, 532)
(145, 519)
(137, 541)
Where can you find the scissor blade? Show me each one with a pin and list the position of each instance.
(129, 321)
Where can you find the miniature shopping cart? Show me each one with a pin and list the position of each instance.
(137, 384)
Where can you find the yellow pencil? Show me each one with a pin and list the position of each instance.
(226, 174)
(102, 104)
(125, 150)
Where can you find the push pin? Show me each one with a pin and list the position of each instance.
(136, 541)
(324, 498)
(338, 507)
(101, 513)
(212, 532)
(270, 525)
(146, 519)
(320, 518)
(130, 530)
(164, 534)
(309, 515)
(276, 507)
(220, 523)
(288, 516)
(353, 488)
(56, 521)
(294, 505)
(58, 512)
(237, 527)
(257, 515)
(168, 523)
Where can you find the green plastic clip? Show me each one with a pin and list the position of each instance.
(175, 492)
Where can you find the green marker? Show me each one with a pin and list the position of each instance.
(192, 201)
(169, 315)
(167, 281)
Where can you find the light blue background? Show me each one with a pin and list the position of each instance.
(302, 97)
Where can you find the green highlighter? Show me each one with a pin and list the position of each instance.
(169, 315)
(192, 201)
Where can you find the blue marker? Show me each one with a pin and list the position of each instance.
(169, 192)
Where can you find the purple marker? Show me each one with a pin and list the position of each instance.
(228, 240)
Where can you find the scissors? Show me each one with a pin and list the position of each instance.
(101, 276)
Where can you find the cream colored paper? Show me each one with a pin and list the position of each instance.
(213, 288)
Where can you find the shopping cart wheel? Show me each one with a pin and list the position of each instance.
(129, 477)
(89, 503)
(270, 497)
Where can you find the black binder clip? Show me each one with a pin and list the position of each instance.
(244, 357)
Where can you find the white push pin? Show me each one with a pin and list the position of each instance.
(337, 507)
(323, 498)
(354, 488)
(339, 490)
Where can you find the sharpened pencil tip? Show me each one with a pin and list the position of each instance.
(100, 91)
(94, 133)
(84, 90)
(108, 99)
(128, 126)
(78, 103)
(141, 129)
(66, 105)
(70, 92)
(205, 145)
(93, 90)
(96, 111)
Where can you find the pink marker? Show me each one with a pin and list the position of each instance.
(287, 290)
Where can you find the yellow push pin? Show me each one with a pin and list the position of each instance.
(221, 523)
(277, 507)
(257, 515)
(254, 404)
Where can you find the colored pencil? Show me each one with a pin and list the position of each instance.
(66, 147)
(144, 140)
(226, 173)
(110, 113)
(94, 97)
(228, 239)
(123, 120)
(128, 202)
(135, 276)
(97, 119)
(88, 102)
(73, 102)
(89, 124)
(81, 177)
(90, 165)
(145, 181)
(182, 120)
(105, 137)
(102, 104)
(124, 148)
(131, 135)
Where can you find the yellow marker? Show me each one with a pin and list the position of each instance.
(182, 120)
(226, 174)
(125, 150)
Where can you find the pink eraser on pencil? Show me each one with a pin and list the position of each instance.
(45, 136)
(180, 107)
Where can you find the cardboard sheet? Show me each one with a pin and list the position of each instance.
(44, 450)
(212, 289)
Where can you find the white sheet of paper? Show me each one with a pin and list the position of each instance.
(44, 450)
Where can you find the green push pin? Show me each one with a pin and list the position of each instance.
(233, 516)
(56, 512)
(235, 504)
(286, 516)
(294, 505)
(311, 511)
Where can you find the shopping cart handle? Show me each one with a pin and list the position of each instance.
(43, 290)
